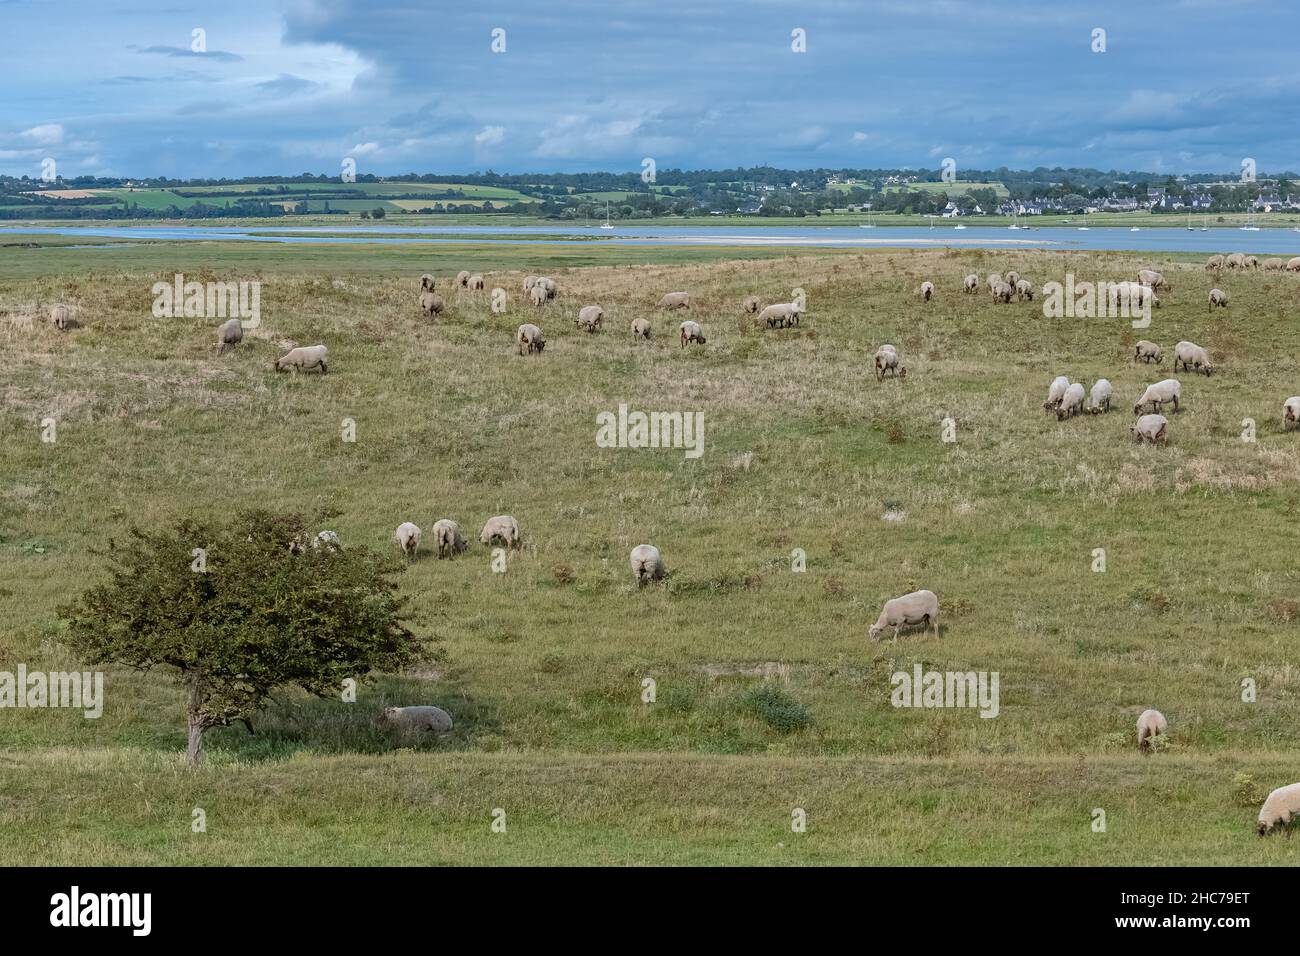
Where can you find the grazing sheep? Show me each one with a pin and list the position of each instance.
(676, 300)
(590, 317)
(303, 358)
(431, 304)
(537, 295)
(1099, 397)
(1218, 297)
(887, 361)
(529, 339)
(646, 563)
(919, 607)
(1151, 428)
(419, 718)
(927, 290)
(229, 334)
(690, 332)
(1011, 278)
(1156, 395)
(1274, 265)
(1214, 264)
(503, 529)
(780, 315)
(552, 290)
(529, 282)
(1024, 290)
(474, 283)
(1236, 260)
(994, 279)
(59, 317)
(641, 329)
(1291, 412)
(1002, 292)
(1056, 392)
(1071, 402)
(1280, 808)
(1250, 262)
(1148, 352)
(427, 283)
(1138, 294)
(971, 284)
(408, 538)
(1153, 280)
(462, 279)
(1293, 265)
(752, 304)
(1150, 724)
(329, 540)
(447, 538)
(1191, 355)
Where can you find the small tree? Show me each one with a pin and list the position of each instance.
(239, 609)
(378, 212)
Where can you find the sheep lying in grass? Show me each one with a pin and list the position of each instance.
(433, 719)
(1099, 397)
(752, 304)
(447, 538)
(1218, 297)
(676, 300)
(971, 284)
(641, 329)
(1190, 355)
(589, 318)
(431, 304)
(502, 529)
(927, 290)
(60, 316)
(303, 358)
(462, 279)
(919, 607)
(529, 339)
(474, 283)
(1152, 723)
(1148, 352)
(1024, 290)
(1151, 428)
(1071, 402)
(1056, 392)
(408, 538)
(780, 315)
(1158, 394)
(691, 332)
(887, 361)
(647, 565)
(1281, 809)
(229, 334)
(427, 283)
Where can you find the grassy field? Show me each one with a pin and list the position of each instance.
(770, 695)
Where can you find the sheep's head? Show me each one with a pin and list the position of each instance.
(874, 631)
(1263, 828)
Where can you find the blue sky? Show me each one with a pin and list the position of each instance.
(289, 86)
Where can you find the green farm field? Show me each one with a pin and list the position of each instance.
(769, 694)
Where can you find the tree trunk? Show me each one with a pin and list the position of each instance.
(194, 751)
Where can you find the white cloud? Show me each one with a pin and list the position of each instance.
(490, 135)
(48, 134)
(364, 149)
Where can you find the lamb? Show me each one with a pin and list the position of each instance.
(431, 304)
(1235, 261)
(408, 538)
(426, 283)
(919, 607)
(676, 300)
(641, 329)
(229, 334)
(1071, 402)
(537, 295)
(690, 332)
(1024, 290)
(1056, 392)
(447, 538)
(646, 563)
(1156, 395)
(1293, 265)
(1274, 265)
(887, 361)
(1218, 297)
(529, 339)
(474, 283)
(780, 315)
(1191, 355)
(752, 304)
(1002, 292)
(419, 718)
(1214, 264)
(1281, 807)
(1099, 397)
(1150, 724)
(462, 279)
(590, 318)
(1151, 428)
(1291, 412)
(502, 528)
(59, 317)
(303, 358)
(927, 290)
(971, 284)
(1154, 280)
(1148, 352)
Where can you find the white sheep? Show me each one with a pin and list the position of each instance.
(229, 334)
(780, 314)
(1024, 290)
(302, 358)
(1011, 278)
(474, 283)
(408, 538)
(676, 300)
(1148, 352)
(1281, 808)
(1291, 412)
(1214, 264)
(1235, 261)
(1056, 392)
(419, 718)
(537, 295)
(691, 332)
(589, 318)
(502, 528)
(1158, 394)
(971, 284)
(919, 607)
(1002, 292)
(1099, 397)
(528, 338)
(927, 290)
(1154, 280)
(646, 563)
(752, 304)
(887, 361)
(60, 316)
(1191, 355)
(1218, 297)
(1151, 428)
(427, 283)
(1293, 265)
(529, 282)
(1274, 265)
(462, 279)
(548, 284)
(995, 278)
(1150, 724)
(1250, 262)
(447, 538)
(1071, 402)
(641, 328)
(431, 304)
